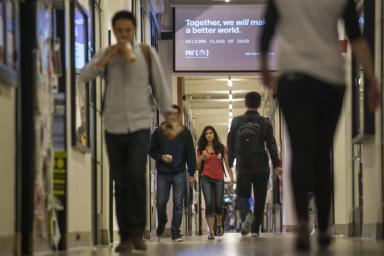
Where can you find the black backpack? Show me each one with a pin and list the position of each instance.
(249, 144)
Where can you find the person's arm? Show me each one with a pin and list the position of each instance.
(190, 153)
(161, 89)
(231, 139)
(97, 65)
(229, 169)
(361, 50)
(154, 147)
(271, 19)
(271, 146)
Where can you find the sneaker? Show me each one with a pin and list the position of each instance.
(255, 234)
(139, 244)
(160, 230)
(247, 224)
(124, 247)
(211, 236)
(177, 238)
(302, 242)
(324, 240)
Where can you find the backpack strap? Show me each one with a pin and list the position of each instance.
(146, 50)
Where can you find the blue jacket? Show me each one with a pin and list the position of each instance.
(181, 148)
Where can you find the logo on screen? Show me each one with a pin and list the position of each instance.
(198, 53)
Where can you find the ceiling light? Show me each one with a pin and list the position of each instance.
(229, 82)
(230, 114)
(230, 106)
(227, 1)
(230, 97)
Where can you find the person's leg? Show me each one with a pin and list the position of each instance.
(178, 186)
(136, 155)
(117, 165)
(297, 98)
(218, 192)
(297, 101)
(243, 190)
(260, 185)
(329, 109)
(206, 188)
(163, 189)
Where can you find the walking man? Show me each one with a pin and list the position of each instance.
(128, 68)
(247, 138)
(172, 150)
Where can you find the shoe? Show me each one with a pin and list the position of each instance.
(255, 234)
(324, 240)
(177, 237)
(139, 244)
(160, 230)
(124, 247)
(302, 242)
(220, 230)
(247, 224)
(211, 236)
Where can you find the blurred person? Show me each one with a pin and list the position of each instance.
(310, 92)
(128, 114)
(172, 148)
(211, 157)
(249, 137)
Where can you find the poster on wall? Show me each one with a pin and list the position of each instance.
(10, 33)
(80, 99)
(2, 32)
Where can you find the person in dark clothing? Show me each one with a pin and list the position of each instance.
(172, 148)
(310, 92)
(254, 171)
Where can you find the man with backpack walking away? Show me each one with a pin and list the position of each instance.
(247, 138)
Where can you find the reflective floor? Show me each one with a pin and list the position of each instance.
(234, 244)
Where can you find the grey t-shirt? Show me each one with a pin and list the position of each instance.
(308, 35)
(128, 104)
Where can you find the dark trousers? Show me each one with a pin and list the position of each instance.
(127, 155)
(164, 183)
(244, 187)
(213, 191)
(311, 109)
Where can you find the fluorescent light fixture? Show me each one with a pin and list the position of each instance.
(230, 106)
(227, 1)
(229, 82)
(230, 97)
(230, 114)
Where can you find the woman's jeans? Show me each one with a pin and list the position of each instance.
(213, 191)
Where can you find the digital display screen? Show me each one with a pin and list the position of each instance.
(80, 40)
(219, 38)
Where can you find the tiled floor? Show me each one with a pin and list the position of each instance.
(234, 244)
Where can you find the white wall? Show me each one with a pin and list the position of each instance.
(372, 169)
(7, 161)
(343, 162)
(79, 192)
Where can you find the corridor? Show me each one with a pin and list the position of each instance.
(233, 244)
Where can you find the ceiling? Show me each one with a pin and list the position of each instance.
(216, 1)
(207, 99)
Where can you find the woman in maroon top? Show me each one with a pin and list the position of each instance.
(211, 156)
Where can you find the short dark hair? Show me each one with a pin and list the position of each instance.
(174, 106)
(126, 15)
(252, 100)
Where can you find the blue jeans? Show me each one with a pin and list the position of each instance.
(164, 183)
(213, 191)
(127, 155)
